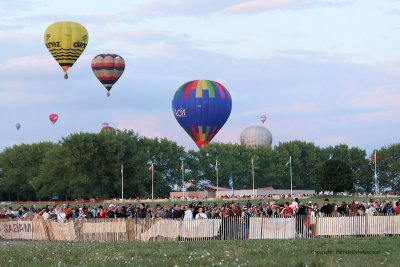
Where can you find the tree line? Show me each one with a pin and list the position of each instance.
(88, 165)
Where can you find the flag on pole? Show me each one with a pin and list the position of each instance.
(375, 156)
(289, 162)
(231, 184)
(330, 156)
(122, 169)
(151, 168)
(216, 165)
(252, 164)
(181, 167)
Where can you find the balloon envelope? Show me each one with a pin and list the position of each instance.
(107, 128)
(108, 68)
(202, 107)
(263, 118)
(53, 118)
(66, 41)
(18, 125)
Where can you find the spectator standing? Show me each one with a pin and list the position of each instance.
(327, 207)
(287, 211)
(201, 215)
(397, 209)
(143, 211)
(189, 213)
(30, 214)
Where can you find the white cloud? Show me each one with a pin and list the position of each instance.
(257, 6)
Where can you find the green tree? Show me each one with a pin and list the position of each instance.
(359, 164)
(388, 167)
(335, 175)
(20, 165)
(305, 163)
(166, 156)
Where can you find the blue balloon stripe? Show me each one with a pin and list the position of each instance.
(108, 82)
(108, 68)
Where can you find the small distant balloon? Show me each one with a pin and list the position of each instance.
(107, 128)
(53, 118)
(18, 125)
(263, 118)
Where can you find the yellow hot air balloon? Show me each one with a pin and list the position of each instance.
(66, 41)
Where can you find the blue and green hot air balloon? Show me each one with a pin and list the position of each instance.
(202, 107)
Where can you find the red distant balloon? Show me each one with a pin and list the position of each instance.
(107, 127)
(53, 118)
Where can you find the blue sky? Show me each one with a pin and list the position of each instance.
(323, 71)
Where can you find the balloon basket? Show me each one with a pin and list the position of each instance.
(108, 94)
(66, 76)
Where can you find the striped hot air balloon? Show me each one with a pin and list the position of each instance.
(108, 68)
(202, 107)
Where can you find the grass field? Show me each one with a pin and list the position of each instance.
(318, 199)
(383, 251)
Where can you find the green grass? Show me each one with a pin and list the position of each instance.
(300, 252)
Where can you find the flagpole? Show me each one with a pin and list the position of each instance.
(291, 178)
(183, 182)
(376, 177)
(152, 181)
(216, 167)
(252, 167)
(122, 173)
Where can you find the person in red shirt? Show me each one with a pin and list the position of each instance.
(397, 209)
(287, 211)
(102, 213)
(225, 213)
(236, 210)
(68, 210)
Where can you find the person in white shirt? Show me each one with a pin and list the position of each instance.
(201, 214)
(46, 214)
(61, 217)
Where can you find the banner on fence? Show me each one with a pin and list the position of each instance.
(272, 228)
(24, 230)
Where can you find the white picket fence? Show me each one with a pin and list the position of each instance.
(231, 228)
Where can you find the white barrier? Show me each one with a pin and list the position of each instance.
(200, 228)
(272, 228)
(341, 226)
(145, 230)
(163, 228)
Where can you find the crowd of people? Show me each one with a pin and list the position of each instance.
(263, 208)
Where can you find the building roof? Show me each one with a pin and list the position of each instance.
(266, 188)
(214, 188)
